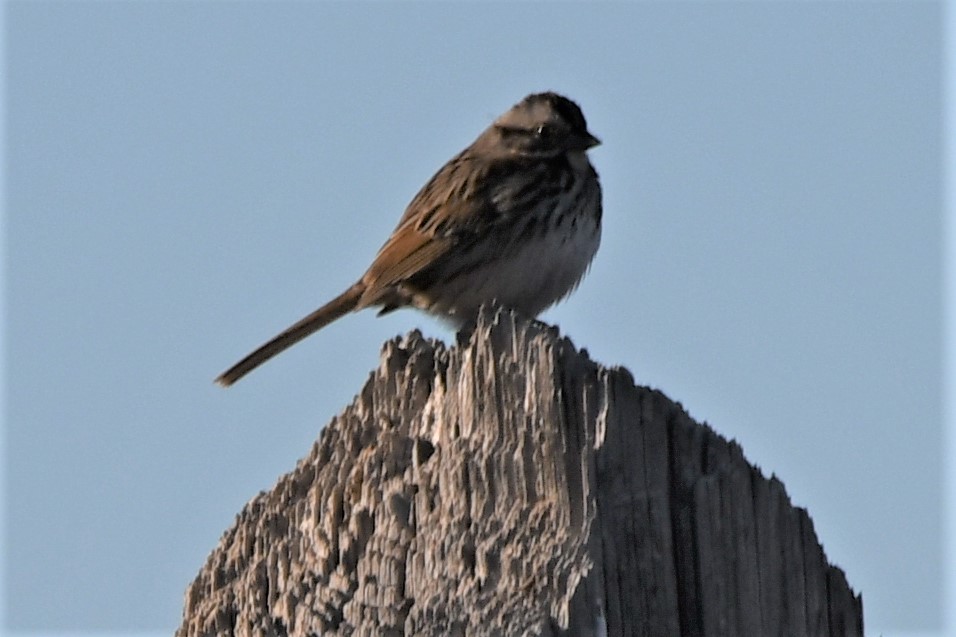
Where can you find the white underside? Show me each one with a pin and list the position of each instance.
(533, 278)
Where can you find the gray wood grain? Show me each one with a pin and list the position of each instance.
(511, 486)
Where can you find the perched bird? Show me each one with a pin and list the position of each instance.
(514, 219)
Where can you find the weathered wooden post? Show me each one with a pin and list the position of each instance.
(511, 486)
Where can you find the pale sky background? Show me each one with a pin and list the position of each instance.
(184, 179)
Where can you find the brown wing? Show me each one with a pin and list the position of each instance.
(407, 252)
(449, 208)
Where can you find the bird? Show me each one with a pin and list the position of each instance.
(512, 220)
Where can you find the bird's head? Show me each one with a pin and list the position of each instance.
(541, 125)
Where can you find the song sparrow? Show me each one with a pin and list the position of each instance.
(513, 219)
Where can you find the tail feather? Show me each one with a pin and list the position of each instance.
(334, 309)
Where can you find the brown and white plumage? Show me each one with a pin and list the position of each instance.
(513, 219)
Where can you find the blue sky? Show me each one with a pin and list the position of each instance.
(182, 180)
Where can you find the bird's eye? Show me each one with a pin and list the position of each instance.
(542, 131)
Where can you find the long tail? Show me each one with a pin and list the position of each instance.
(336, 308)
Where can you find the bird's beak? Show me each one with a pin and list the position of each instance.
(590, 141)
